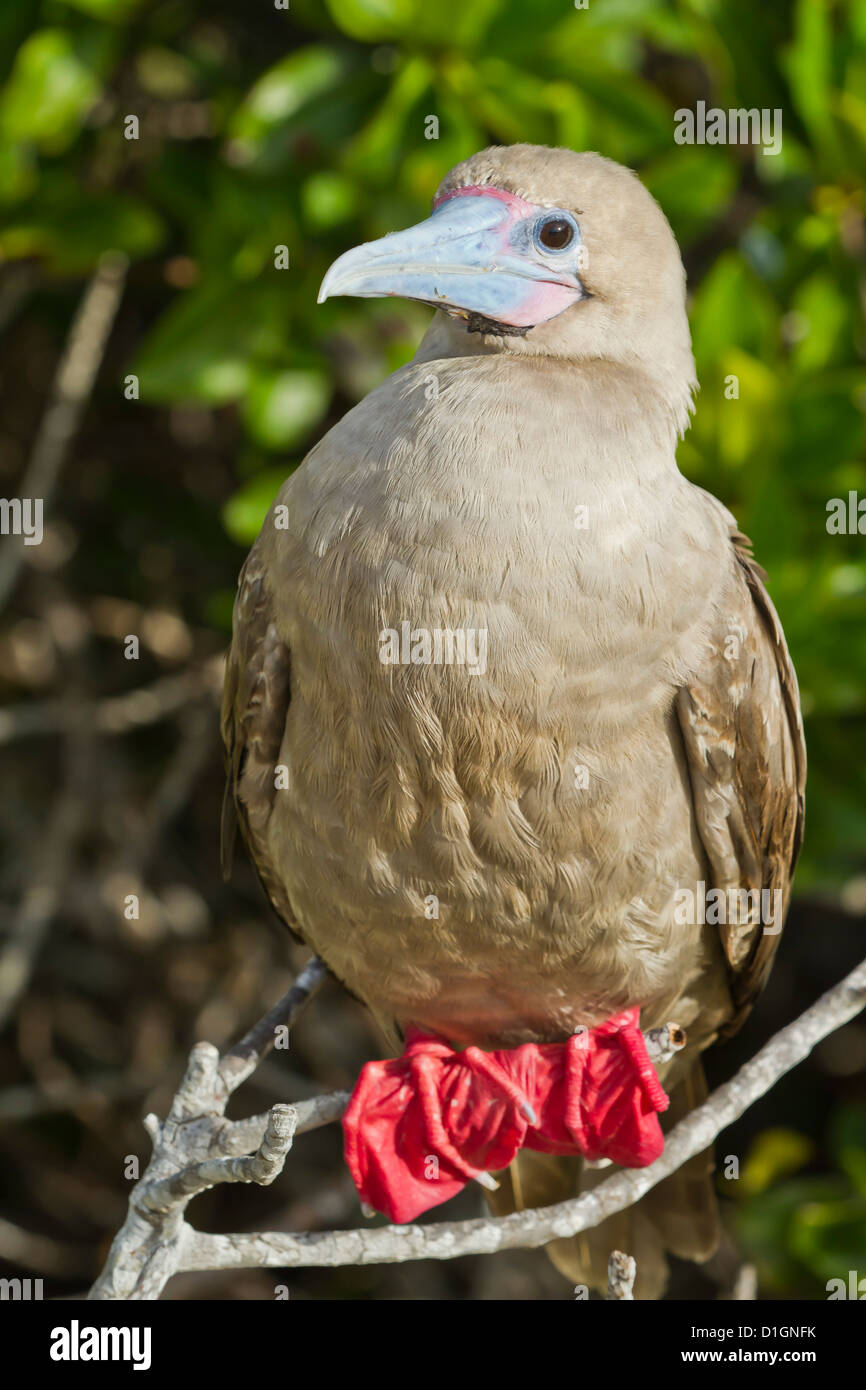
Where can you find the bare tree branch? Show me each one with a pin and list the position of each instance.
(154, 1244)
(621, 1272)
(42, 1253)
(197, 1147)
(261, 1167)
(49, 872)
(119, 714)
(245, 1056)
(70, 393)
(745, 1288)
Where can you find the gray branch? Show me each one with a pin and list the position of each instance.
(70, 393)
(621, 1272)
(197, 1146)
(117, 714)
(261, 1167)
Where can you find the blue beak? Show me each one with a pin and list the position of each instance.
(473, 255)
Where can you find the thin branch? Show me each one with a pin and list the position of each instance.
(245, 1056)
(197, 1146)
(52, 860)
(16, 286)
(119, 714)
(43, 1254)
(70, 392)
(98, 1089)
(621, 1272)
(745, 1288)
(661, 1044)
(312, 1114)
(261, 1167)
(530, 1229)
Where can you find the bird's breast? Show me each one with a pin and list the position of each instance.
(489, 605)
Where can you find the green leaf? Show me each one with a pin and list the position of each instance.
(70, 232)
(372, 20)
(826, 318)
(375, 152)
(848, 1143)
(55, 81)
(282, 407)
(245, 512)
(744, 426)
(693, 185)
(328, 199)
(765, 1225)
(18, 176)
(285, 89)
(830, 1237)
(114, 11)
(809, 65)
(204, 347)
(732, 309)
(313, 101)
(164, 73)
(775, 1153)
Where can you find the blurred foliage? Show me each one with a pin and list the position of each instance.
(317, 141)
(308, 130)
(804, 1231)
(260, 128)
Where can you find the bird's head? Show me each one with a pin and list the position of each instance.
(542, 251)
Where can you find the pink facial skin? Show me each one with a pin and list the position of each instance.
(477, 255)
(478, 190)
(542, 299)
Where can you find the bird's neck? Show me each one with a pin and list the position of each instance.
(663, 380)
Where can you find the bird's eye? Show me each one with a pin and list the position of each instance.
(556, 234)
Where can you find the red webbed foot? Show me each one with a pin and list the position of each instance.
(599, 1095)
(420, 1126)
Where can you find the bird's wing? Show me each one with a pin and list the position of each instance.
(256, 696)
(743, 736)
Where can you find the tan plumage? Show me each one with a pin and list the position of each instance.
(449, 497)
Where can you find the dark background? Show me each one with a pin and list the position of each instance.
(260, 128)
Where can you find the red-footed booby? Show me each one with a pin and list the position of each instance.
(513, 734)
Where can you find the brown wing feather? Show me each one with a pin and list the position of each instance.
(743, 738)
(256, 696)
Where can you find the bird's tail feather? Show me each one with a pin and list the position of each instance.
(679, 1216)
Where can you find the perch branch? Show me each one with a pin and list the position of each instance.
(245, 1056)
(196, 1147)
(529, 1229)
(261, 1167)
(153, 1245)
